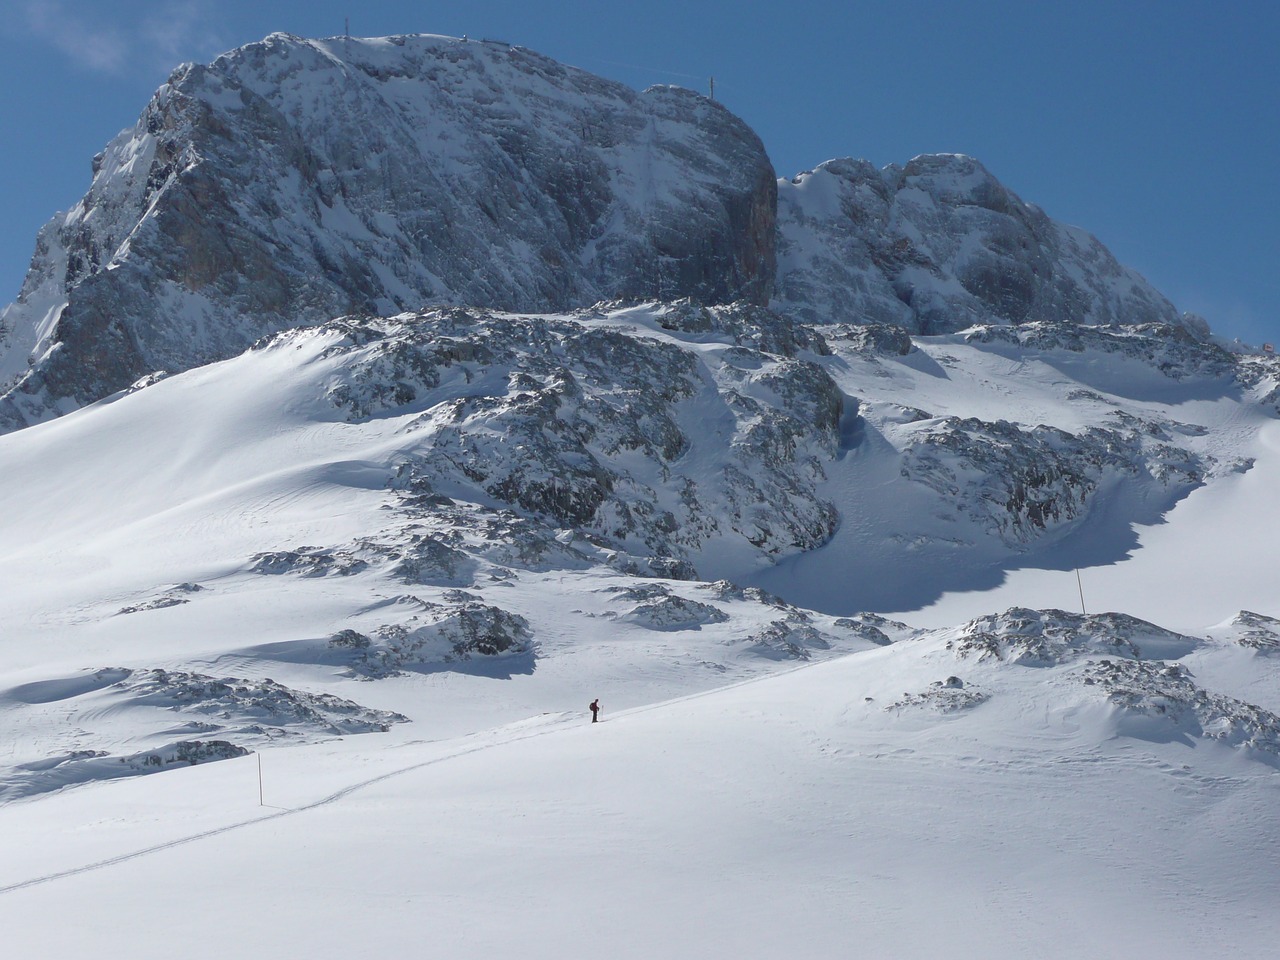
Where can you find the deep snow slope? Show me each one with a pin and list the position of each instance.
(395, 559)
(291, 181)
(1026, 785)
(368, 501)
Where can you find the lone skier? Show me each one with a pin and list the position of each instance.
(595, 710)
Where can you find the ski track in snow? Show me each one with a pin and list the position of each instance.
(556, 724)
(218, 831)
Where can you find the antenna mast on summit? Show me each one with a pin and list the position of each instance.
(713, 88)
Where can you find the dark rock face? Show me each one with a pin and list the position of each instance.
(939, 245)
(292, 181)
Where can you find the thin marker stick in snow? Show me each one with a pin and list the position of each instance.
(260, 803)
(1081, 586)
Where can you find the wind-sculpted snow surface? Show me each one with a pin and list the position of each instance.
(292, 181)
(939, 245)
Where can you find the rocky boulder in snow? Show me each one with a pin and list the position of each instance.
(1041, 638)
(942, 696)
(1255, 631)
(671, 612)
(459, 630)
(1162, 701)
(792, 638)
(253, 706)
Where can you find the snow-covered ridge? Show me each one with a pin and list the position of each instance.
(721, 441)
(685, 442)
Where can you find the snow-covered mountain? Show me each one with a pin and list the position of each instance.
(291, 181)
(350, 586)
(939, 245)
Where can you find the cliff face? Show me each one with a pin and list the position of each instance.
(291, 181)
(939, 245)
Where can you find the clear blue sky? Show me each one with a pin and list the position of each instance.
(1154, 124)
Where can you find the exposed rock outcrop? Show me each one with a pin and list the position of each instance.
(939, 245)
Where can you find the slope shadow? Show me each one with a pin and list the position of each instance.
(1125, 377)
(902, 577)
(51, 691)
(502, 667)
(318, 652)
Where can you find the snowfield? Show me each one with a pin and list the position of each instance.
(283, 673)
(781, 815)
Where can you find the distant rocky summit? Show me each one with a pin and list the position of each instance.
(939, 245)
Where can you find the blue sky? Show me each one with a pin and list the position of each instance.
(1154, 125)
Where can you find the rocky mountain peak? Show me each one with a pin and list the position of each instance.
(938, 245)
(291, 181)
